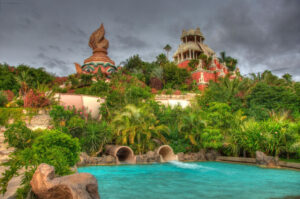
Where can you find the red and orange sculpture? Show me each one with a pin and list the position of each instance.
(99, 62)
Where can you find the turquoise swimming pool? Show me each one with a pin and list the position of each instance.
(194, 180)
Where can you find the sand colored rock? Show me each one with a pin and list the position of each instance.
(263, 159)
(77, 186)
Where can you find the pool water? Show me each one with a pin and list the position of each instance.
(194, 180)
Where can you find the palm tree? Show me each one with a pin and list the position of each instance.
(23, 80)
(138, 126)
(168, 48)
(192, 126)
(287, 77)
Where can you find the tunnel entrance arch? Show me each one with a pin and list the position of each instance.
(123, 154)
(166, 153)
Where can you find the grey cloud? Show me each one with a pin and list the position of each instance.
(129, 41)
(54, 47)
(262, 34)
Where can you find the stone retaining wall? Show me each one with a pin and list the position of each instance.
(236, 159)
(292, 165)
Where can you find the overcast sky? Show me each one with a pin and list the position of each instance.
(53, 34)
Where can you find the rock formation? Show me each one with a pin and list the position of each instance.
(85, 159)
(263, 159)
(77, 186)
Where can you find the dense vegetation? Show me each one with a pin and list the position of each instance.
(234, 117)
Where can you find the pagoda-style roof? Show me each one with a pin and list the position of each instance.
(192, 32)
(200, 47)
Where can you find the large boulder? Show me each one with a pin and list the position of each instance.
(76, 186)
(193, 157)
(263, 159)
(85, 159)
(211, 155)
(149, 157)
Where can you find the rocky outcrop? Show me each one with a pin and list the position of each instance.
(149, 157)
(40, 121)
(85, 159)
(211, 155)
(263, 159)
(76, 186)
(193, 157)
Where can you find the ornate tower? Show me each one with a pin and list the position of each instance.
(192, 46)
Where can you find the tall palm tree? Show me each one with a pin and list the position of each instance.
(192, 126)
(138, 126)
(222, 59)
(23, 80)
(168, 48)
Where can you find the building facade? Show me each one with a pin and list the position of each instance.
(191, 48)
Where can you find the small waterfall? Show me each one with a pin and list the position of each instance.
(187, 165)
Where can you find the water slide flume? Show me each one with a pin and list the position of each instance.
(125, 155)
(166, 153)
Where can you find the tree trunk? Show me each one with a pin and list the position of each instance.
(244, 153)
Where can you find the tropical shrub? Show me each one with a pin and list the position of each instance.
(18, 135)
(52, 147)
(3, 99)
(57, 149)
(35, 99)
(7, 79)
(95, 136)
(59, 115)
(139, 128)
(173, 76)
(9, 94)
(75, 126)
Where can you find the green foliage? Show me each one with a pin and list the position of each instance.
(46, 146)
(35, 76)
(3, 99)
(16, 114)
(95, 136)
(173, 76)
(133, 63)
(138, 127)
(76, 126)
(225, 91)
(59, 114)
(229, 61)
(100, 88)
(161, 59)
(212, 138)
(193, 64)
(57, 149)
(7, 79)
(270, 97)
(18, 135)
(85, 80)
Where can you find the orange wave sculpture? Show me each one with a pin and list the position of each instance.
(99, 62)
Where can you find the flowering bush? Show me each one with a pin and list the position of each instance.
(9, 94)
(35, 99)
(177, 92)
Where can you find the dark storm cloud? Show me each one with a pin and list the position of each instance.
(261, 34)
(53, 63)
(129, 41)
(267, 33)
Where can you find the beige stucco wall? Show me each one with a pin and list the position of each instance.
(89, 104)
(92, 104)
(174, 102)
